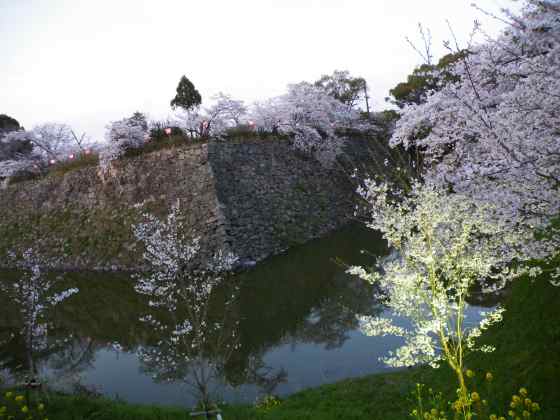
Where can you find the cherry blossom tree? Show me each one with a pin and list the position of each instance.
(493, 133)
(314, 118)
(445, 244)
(35, 293)
(30, 151)
(56, 141)
(193, 344)
(225, 112)
(121, 136)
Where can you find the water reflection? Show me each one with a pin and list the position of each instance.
(259, 327)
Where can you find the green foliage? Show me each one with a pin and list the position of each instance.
(187, 96)
(423, 79)
(343, 87)
(431, 405)
(81, 161)
(15, 406)
(167, 142)
(139, 119)
(8, 124)
(157, 130)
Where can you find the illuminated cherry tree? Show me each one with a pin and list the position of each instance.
(445, 244)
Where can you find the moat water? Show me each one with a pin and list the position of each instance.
(294, 324)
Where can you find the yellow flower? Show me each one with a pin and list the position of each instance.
(19, 398)
(24, 409)
(433, 412)
(489, 376)
(470, 373)
(523, 392)
(515, 399)
(512, 404)
(526, 414)
(484, 402)
(501, 418)
(9, 395)
(535, 406)
(41, 407)
(493, 417)
(475, 397)
(511, 413)
(528, 402)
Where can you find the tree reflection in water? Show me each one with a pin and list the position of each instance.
(299, 297)
(33, 294)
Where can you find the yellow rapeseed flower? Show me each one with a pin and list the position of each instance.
(535, 406)
(526, 414)
(511, 413)
(528, 402)
(41, 407)
(470, 373)
(493, 417)
(19, 398)
(475, 397)
(24, 409)
(523, 392)
(489, 376)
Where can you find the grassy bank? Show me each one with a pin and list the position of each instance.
(528, 354)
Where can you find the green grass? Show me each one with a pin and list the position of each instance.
(528, 354)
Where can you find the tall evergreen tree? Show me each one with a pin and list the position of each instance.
(187, 96)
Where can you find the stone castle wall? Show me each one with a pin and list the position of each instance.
(254, 198)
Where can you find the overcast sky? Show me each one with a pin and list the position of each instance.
(89, 62)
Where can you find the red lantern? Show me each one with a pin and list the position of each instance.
(71, 156)
(168, 131)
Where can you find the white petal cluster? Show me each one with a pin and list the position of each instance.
(180, 286)
(35, 293)
(493, 134)
(314, 119)
(445, 244)
(121, 136)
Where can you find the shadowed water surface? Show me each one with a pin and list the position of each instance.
(293, 322)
